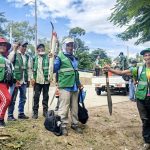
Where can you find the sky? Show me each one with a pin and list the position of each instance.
(91, 15)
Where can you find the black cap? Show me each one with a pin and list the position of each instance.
(40, 46)
(144, 51)
(134, 62)
(121, 53)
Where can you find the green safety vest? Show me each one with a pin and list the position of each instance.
(19, 67)
(2, 68)
(67, 75)
(142, 86)
(45, 65)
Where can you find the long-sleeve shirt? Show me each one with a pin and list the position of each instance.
(12, 58)
(57, 64)
(40, 75)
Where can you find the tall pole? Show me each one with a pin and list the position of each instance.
(35, 25)
(128, 52)
(10, 32)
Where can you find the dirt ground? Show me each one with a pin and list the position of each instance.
(121, 131)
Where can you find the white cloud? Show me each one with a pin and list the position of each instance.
(91, 15)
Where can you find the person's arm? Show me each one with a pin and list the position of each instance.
(117, 72)
(12, 56)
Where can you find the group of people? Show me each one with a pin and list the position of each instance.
(17, 69)
(22, 71)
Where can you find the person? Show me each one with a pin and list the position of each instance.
(5, 66)
(123, 61)
(132, 83)
(40, 80)
(97, 67)
(142, 93)
(20, 63)
(68, 82)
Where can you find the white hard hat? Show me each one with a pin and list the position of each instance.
(68, 40)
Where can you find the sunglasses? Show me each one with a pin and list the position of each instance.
(24, 46)
(70, 45)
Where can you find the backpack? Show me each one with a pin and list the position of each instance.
(53, 123)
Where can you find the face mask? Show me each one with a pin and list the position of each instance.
(41, 53)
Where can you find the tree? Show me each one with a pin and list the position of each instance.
(77, 31)
(2, 21)
(84, 60)
(135, 14)
(103, 56)
(22, 31)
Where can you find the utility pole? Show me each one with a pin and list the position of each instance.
(128, 52)
(35, 21)
(10, 32)
(35, 9)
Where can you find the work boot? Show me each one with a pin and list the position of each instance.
(146, 146)
(22, 116)
(11, 118)
(77, 129)
(44, 113)
(64, 131)
(35, 116)
(2, 123)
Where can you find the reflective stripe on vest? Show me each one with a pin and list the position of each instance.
(66, 69)
(17, 67)
(45, 67)
(2, 65)
(142, 83)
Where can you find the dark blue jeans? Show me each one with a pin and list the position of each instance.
(131, 90)
(22, 99)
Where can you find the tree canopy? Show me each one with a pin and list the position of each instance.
(2, 21)
(135, 14)
(77, 31)
(21, 31)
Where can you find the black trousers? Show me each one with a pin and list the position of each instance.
(144, 111)
(37, 92)
(97, 71)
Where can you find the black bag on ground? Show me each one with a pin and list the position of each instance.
(53, 123)
(82, 111)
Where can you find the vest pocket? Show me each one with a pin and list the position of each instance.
(141, 92)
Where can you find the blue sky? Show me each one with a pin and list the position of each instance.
(90, 15)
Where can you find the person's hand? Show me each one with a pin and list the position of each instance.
(32, 82)
(106, 68)
(50, 55)
(18, 83)
(80, 86)
(15, 46)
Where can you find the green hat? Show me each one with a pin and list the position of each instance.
(144, 51)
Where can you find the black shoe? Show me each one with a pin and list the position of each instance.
(44, 113)
(35, 116)
(22, 116)
(64, 131)
(77, 129)
(11, 118)
(2, 123)
(146, 146)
